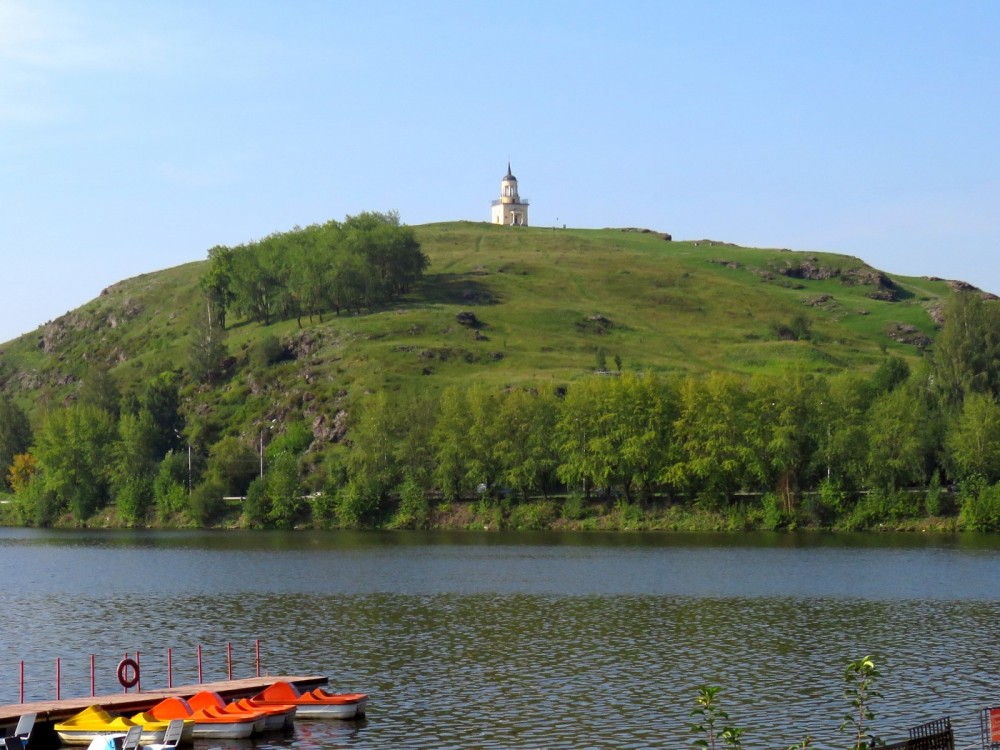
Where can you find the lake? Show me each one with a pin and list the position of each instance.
(522, 640)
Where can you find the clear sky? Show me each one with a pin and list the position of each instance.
(136, 135)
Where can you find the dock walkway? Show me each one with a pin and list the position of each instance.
(52, 711)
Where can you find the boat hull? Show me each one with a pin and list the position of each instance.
(93, 722)
(236, 730)
(327, 711)
(277, 718)
(86, 736)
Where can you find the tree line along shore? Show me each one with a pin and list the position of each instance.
(903, 447)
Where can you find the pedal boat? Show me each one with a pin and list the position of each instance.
(278, 717)
(207, 700)
(94, 721)
(313, 704)
(208, 723)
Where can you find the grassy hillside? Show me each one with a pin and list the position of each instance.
(545, 302)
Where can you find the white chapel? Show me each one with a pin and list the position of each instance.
(509, 208)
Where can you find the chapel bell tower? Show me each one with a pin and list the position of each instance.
(509, 209)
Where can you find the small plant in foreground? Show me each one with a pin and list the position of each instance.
(710, 716)
(861, 676)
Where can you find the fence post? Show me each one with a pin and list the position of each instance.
(170, 668)
(257, 657)
(58, 679)
(93, 679)
(199, 664)
(22, 680)
(229, 659)
(138, 674)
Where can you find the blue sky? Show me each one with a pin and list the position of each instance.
(134, 135)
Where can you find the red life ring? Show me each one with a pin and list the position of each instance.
(123, 670)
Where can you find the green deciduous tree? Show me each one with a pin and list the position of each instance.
(284, 491)
(526, 452)
(207, 350)
(232, 465)
(366, 261)
(966, 354)
(373, 460)
(899, 440)
(217, 282)
(99, 389)
(842, 452)
(161, 397)
(785, 433)
(448, 438)
(135, 464)
(973, 438)
(617, 432)
(713, 430)
(73, 448)
(171, 485)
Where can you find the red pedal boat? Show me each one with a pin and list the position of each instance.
(313, 704)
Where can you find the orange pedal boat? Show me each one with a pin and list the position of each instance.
(208, 722)
(313, 704)
(278, 717)
(274, 717)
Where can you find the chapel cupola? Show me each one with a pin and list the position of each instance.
(509, 208)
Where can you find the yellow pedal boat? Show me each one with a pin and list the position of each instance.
(83, 727)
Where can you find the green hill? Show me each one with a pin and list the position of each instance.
(501, 306)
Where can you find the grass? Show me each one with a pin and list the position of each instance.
(548, 301)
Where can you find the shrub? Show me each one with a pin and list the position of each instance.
(169, 486)
(981, 512)
(35, 505)
(823, 507)
(489, 514)
(882, 506)
(356, 505)
(573, 507)
(133, 498)
(324, 509)
(936, 501)
(774, 514)
(533, 516)
(257, 505)
(629, 516)
(414, 510)
(267, 351)
(206, 503)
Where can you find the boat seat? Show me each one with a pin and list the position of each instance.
(171, 737)
(24, 726)
(13, 743)
(132, 737)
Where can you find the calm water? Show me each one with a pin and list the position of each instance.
(522, 641)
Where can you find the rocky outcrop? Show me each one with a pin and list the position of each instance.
(595, 323)
(661, 235)
(905, 333)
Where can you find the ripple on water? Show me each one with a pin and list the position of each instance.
(534, 647)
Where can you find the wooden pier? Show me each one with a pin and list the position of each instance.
(52, 711)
